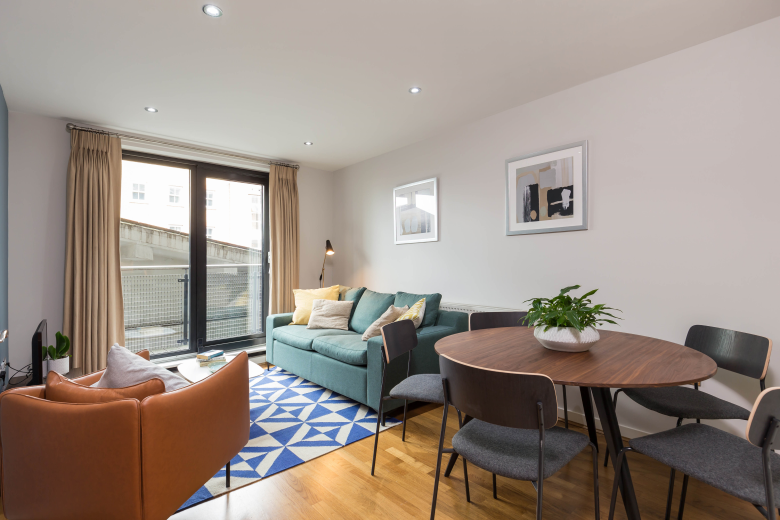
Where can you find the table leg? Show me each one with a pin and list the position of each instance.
(587, 407)
(609, 424)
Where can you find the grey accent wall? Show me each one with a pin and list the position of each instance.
(683, 222)
(3, 228)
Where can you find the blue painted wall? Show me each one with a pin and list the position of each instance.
(3, 226)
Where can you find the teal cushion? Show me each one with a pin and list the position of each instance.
(353, 295)
(347, 349)
(369, 309)
(432, 302)
(299, 336)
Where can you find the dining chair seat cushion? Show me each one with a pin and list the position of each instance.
(720, 459)
(420, 387)
(685, 402)
(514, 453)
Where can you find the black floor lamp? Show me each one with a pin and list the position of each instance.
(328, 252)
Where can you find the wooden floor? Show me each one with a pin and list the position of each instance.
(339, 485)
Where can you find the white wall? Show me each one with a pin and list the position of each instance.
(39, 148)
(683, 213)
(315, 197)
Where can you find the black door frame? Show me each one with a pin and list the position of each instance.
(199, 172)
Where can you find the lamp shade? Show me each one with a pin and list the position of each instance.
(329, 248)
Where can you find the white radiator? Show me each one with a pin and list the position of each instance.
(469, 308)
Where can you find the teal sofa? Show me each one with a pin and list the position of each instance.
(341, 361)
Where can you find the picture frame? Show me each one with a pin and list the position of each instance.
(416, 212)
(547, 191)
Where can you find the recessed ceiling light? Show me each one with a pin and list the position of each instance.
(212, 10)
(308, 143)
(151, 109)
(415, 90)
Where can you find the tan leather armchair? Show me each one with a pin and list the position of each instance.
(122, 459)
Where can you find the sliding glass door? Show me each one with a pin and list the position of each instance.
(193, 245)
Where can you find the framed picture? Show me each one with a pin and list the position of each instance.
(548, 191)
(416, 212)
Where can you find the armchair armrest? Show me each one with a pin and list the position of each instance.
(42, 439)
(273, 321)
(190, 434)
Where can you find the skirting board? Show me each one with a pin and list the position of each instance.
(579, 418)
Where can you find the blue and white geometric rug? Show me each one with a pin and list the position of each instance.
(292, 421)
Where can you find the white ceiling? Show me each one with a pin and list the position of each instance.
(269, 75)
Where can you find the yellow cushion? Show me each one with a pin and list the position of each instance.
(304, 299)
(415, 314)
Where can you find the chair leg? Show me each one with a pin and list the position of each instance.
(376, 436)
(595, 453)
(539, 499)
(669, 496)
(682, 497)
(438, 461)
(227, 475)
(454, 456)
(495, 490)
(565, 408)
(403, 434)
(466, 480)
(614, 405)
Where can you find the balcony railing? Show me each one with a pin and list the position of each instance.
(157, 302)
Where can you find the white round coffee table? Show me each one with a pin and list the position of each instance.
(193, 372)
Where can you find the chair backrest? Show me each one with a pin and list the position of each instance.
(493, 320)
(501, 398)
(400, 337)
(739, 352)
(766, 408)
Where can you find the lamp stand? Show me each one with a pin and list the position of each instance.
(322, 275)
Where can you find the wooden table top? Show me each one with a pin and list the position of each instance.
(618, 360)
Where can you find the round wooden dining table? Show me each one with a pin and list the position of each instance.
(618, 360)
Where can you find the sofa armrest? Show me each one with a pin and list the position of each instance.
(457, 320)
(66, 452)
(273, 321)
(189, 434)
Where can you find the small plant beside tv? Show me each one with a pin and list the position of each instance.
(57, 356)
(566, 323)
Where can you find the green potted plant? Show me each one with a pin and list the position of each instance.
(57, 356)
(566, 323)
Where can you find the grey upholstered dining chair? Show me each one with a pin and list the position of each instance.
(401, 338)
(745, 354)
(747, 469)
(492, 320)
(509, 428)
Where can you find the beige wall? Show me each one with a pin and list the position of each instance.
(39, 148)
(683, 203)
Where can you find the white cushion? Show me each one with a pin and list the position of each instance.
(329, 314)
(389, 316)
(123, 369)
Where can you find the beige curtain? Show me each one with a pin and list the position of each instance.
(285, 237)
(94, 315)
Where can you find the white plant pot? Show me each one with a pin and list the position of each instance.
(61, 366)
(567, 339)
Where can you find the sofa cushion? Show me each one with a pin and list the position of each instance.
(123, 369)
(299, 336)
(369, 309)
(347, 349)
(432, 302)
(352, 294)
